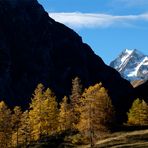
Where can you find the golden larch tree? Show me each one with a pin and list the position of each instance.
(97, 112)
(5, 126)
(16, 121)
(76, 93)
(50, 113)
(35, 113)
(138, 114)
(25, 129)
(65, 115)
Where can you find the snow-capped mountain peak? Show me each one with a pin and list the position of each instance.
(127, 53)
(132, 65)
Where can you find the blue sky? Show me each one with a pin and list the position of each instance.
(108, 26)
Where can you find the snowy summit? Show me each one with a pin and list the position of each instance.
(132, 65)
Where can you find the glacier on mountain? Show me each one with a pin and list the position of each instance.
(132, 65)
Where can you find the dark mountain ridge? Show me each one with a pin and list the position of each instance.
(36, 49)
(141, 91)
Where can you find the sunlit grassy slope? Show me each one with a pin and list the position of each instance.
(132, 139)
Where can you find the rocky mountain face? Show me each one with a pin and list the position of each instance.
(137, 83)
(36, 49)
(132, 65)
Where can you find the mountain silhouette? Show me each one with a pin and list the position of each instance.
(36, 49)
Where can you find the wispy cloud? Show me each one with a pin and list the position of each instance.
(96, 20)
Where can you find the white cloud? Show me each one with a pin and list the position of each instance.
(95, 20)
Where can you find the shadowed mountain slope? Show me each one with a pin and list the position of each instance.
(36, 49)
(141, 91)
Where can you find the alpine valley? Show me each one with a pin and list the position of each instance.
(77, 99)
(35, 49)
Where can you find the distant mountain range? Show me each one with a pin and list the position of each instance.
(132, 65)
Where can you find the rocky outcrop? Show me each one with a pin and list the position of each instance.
(36, 49)
(136, 83)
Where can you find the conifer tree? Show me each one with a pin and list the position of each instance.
(25, 129)
(65, 115)
(5, 126)
(43, 113)
(144, 113)
(35, 113)
(16, 121)
(50, 113)
(76, 91)
(75, 98)
(134, 114)
(138, 114)
(97, 112)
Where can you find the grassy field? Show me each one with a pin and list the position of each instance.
(128, 139)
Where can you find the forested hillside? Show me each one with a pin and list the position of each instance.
(84, 118)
